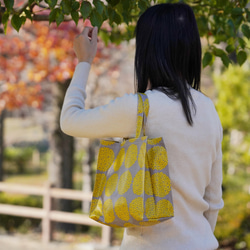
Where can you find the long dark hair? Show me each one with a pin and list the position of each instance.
(168, 53)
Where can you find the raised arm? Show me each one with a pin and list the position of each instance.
(116, 119)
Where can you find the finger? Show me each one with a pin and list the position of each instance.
(94, 34)
(87, 23)
(86, 30)
(90, 33)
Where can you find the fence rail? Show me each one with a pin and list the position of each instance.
(47, 214)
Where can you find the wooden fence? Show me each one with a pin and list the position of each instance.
(47, 214)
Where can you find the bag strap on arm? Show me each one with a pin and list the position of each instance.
(142, 113)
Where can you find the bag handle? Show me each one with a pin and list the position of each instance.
(142, 114)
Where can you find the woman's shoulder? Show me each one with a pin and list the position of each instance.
(126, 100)
(158, 96)
(198, 97)
(207, 108)
(202, 100)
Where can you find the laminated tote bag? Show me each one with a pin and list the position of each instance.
(132, 186)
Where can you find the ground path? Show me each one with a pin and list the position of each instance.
(24, 242)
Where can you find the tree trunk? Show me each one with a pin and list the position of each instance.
(1, 143)
(62, 159)
(88, 160)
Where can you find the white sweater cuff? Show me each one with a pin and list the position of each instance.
(81, 73)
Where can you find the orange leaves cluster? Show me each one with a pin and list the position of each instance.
(12, 57)
(37, 54)
(52, 53)
(19, 94)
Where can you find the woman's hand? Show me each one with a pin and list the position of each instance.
(85, 44)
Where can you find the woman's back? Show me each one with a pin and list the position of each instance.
(194, 155)
(192, 152)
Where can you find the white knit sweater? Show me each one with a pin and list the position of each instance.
(195, 159)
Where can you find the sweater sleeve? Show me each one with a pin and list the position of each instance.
(116, 119)
(213, 193)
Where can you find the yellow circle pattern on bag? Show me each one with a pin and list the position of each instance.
(101, 179)
(96, 205)
(121, 209)
(132, 185)
(138, 185)
(148, 187)
(141, 158)
(161, 208)
(131, 155)
(124, 182)
(108, 211)
(161, 184)
(111, 185)
(107, 155)
(136, 208)
(119, 159)
(157, 158)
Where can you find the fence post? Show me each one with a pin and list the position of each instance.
(46, 222)
(106, 235)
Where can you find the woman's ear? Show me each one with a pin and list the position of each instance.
(149, 85)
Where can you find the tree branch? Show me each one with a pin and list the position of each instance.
(46, 18)
(21, 8)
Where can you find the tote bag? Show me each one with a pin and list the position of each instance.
(132, 186)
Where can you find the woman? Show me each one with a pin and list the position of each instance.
(167, 66)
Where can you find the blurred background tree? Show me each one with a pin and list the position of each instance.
(218, 20)
(27, 61)
(233, 106)
(43, 54)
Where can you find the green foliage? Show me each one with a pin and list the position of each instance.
(207, 59)
(85, 9)
(241, 57)
(21, 200)
(9, 4)
(17, 21)
(78, 160)
(223, 21)
(233, 102)
(246, 30)
(66, 6)
(74, 12)
(51, 3)
(233, 105)
(233, 225)
(12, 223)
(96, 18)
(218, 21)
(18, 157)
